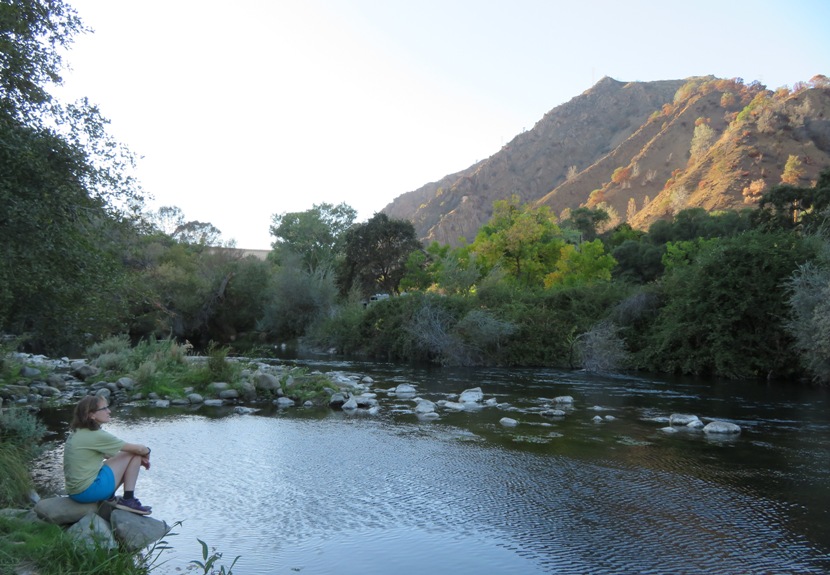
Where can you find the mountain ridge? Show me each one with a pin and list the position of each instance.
(640, 150)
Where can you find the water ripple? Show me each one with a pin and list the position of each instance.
(340, 495)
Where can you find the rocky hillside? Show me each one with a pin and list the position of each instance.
(642, 151)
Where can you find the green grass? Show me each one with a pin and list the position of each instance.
(307, 387)
(15, 482)
(49, 551)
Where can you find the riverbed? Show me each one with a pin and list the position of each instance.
(603, 489)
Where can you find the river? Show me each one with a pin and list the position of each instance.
(317, 491)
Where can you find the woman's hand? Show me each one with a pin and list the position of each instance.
(145, 462)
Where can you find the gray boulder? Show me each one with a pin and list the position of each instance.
(126, 383)
(284, 402)
(337, 399)
(405, 389)
(508, 422)
(14, 391)
(56, 380)
(721, 427)
(92, 532)
(62, 510)
(228, 394)
(136, 531)
(567, 399)
(267, 382)
(29, 372)
(424, 406)
(195, 398)
(350, 404)
(46, 390)
(683, 419)
(471, 395)
(84, 371)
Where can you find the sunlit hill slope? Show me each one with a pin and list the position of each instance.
(642, 151)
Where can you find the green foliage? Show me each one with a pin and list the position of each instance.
(315, 235)
(209, 560)
(582, 264)
(15, 481)
(34, 34)
(23, 430)
(637, 261)
(548, 322)
(376, 253)
(51, 228)
(586, 221)
(787, 207)
(723, 312)
(340, 330)
(808, 296)
(296, 299)
(219, 367)
(523, 241)
(302, 386)
(46, 549)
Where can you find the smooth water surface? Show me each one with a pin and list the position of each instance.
(316, 491)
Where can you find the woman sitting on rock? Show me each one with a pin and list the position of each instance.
(96, 463)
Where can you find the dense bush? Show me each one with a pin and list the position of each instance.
(725, 312)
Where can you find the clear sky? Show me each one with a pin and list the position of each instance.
(245, 109)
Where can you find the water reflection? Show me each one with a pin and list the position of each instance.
(316, 491)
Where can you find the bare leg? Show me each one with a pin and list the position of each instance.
(125, 468)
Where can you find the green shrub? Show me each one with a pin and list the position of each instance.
(22, 430)
(117, 344)
(314, 387)
(219, 367)
(15, 482)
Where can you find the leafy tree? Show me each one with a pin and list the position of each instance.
(65, 187)
(787, 207)
(33, 36)
(59, 274)
(586, 221)
(793, 170)
(637, 261)
(417, 275)
(315, 235)
(375, 255)
(297, 298)
(458, 272)
(724, 311)
(582, 264)
(523, 241)
(198, 233)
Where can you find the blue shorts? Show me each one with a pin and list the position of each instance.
(102, 488)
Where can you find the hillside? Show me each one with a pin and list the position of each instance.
(642, 151)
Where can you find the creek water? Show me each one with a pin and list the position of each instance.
(319, 491)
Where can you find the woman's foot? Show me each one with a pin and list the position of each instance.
(133, 505)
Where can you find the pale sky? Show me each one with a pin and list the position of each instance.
(241, 110)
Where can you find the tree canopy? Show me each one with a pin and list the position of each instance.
(376, 253)
(315, 235)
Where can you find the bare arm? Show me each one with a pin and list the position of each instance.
(136, 449)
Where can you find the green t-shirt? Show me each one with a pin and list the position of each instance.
(84, 455)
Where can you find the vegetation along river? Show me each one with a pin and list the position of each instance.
(318, 491)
